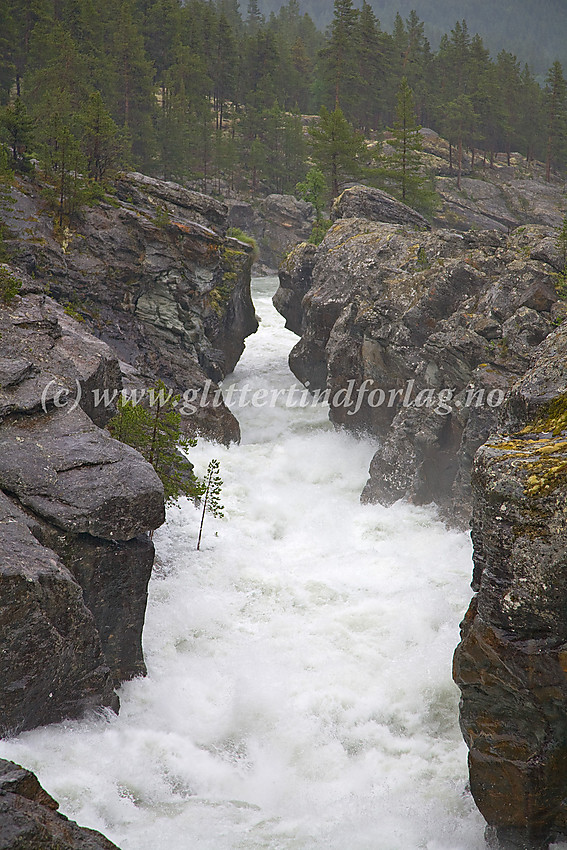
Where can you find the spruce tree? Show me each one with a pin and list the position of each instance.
(337, 148)
(254, 17)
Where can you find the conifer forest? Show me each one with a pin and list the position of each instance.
(236, 98)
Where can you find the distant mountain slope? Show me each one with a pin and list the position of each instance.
(535, 30)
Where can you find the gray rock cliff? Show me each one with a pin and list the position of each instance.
(417, 336)
(151, 271)
(75, 509)
(511, 664)
(277, 223)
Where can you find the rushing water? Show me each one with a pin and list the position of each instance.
(299, 691)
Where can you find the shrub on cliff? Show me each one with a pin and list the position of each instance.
(10, 285)
(154, 430)
(237, 233)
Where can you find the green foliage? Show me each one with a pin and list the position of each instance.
(561, 277)
(100, 139)
(162, 217)
(155, 432)
(314, 190)
(319, 230)
(71, 310)
(403, 170)
(10, 285)
(212, 494)
(209, 92)
(337, 148)
(556, 109)
(237, 233)
(18, 130)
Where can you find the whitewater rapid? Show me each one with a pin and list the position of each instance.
(299, 688)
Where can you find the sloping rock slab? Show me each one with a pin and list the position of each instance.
(29, 819)
(51, 665)
(68, 471)
(375, 205)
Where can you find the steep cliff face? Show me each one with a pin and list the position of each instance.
(511, 664)
(277, 223)
(416, 336)
(29, 819)
(75, 506)
(152, 272)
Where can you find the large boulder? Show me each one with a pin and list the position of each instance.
(375, 205)
(52, 665)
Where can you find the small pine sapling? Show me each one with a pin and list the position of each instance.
(211, 498)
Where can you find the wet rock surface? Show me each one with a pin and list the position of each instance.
(375, 205)
(29, 819)
(152, 273)
(75, 509)
(418, 336)
(511, 664)
(277, 223)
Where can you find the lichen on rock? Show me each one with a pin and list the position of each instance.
(511, 664)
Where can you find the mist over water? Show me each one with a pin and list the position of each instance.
(299, 688)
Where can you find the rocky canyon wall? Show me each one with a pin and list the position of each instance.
(511, 664)
(417, 335)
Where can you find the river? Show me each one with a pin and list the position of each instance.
(299, 688)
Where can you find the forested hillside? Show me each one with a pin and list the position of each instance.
(535, 30)
(201, 91)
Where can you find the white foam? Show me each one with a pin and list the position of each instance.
(299, 691)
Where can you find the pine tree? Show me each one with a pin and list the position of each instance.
(61, 156)
(100, 140)
(338, 55)
(509, 77)
(211, 498)
(532, 115)
(337, 148)
(7, 52)
(556, 108)
(479, 90)
(19, 133)
(370, 64)
(404, 167)
(224, 71)
(133, 79)
(459, 124)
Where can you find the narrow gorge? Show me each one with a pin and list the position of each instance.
(286, 703)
